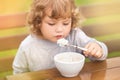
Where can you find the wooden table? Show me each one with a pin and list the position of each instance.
(105, 70)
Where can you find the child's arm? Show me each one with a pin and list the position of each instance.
(20, 63)
(96, 51)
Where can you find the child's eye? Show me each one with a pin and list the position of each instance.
(51, 24)
(65, 23)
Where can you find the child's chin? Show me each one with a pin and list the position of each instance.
(53, 40)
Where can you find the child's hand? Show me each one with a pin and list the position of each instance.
(94, 50)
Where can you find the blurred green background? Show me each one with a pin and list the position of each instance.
(19, 6)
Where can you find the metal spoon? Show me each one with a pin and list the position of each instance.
(63, 42)
(84, 49)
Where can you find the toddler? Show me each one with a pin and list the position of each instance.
(50, 20)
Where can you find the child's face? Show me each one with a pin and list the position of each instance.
(54, 29)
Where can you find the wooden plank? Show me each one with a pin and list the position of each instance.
(3, 78)
(6, 63)
(89, 70)
(11, 42)
(105, 29)
(101, 9)
(113, 45)
(12, 20)
(101, 29)
(101, 65)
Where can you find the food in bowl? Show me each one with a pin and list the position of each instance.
(62, 42)
(69, 64)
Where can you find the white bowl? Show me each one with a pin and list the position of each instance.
(69, 64)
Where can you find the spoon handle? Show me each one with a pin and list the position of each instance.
(84, 49)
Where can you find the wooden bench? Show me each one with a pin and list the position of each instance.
(103, 26)
(10, 21)
(95, 29)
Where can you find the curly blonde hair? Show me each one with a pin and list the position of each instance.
(60, 9)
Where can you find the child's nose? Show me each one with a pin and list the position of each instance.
(59, 28)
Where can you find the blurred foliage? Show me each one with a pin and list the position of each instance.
(5, 73)
(8, 53)
(18, 6)
(13, 6)
(14, 31)
(84, 2)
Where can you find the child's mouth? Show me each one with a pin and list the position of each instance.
(59, 36)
